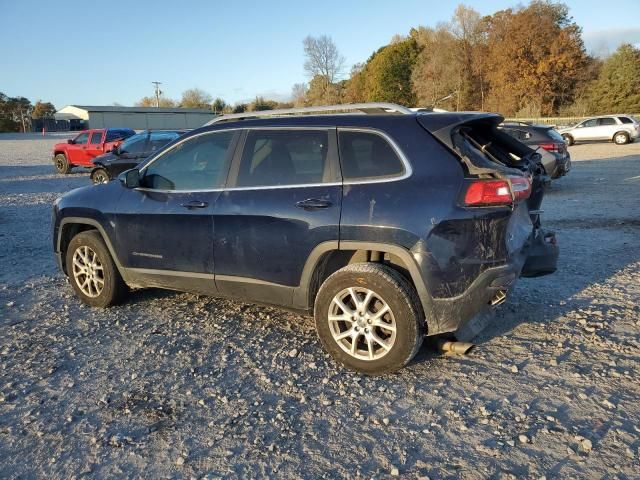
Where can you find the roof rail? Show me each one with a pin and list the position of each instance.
(364, 108)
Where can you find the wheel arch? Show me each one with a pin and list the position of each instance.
(71, 226)
(328, 257)
(618, 132)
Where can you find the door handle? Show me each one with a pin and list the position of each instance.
(195, 204)
(313, 203)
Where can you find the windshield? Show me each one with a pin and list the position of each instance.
(134, 144)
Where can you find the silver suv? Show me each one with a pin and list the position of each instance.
(620, 129)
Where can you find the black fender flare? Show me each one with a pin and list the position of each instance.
(301, 293)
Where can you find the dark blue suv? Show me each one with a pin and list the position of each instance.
(387, 226)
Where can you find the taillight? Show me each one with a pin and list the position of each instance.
(488, 192)
(521, 187)
(552, 147)
(497, 192)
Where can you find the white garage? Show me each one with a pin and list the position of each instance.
(136, 118)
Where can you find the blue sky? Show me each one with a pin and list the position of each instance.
(98, 53)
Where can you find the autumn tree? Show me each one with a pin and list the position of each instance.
(533, 69)
(617, 87)
(387, 74)
(354, 91)
(195, 98)
(437, 72)
(43, 110)
(322, 91)
(151, 102)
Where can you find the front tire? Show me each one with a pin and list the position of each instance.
(568, 139)
(92, 272)
(62, 163)
(99, 175)
(369, 318)
(621, 138)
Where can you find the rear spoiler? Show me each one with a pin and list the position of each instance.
(442, 125)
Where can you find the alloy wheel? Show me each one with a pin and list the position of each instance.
(362, 323)
(88, 271)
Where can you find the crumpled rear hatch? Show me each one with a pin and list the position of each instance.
(486, 152)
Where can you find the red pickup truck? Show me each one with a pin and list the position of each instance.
(79, 151)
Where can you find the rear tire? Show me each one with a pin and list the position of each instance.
(92, 272)
(568, 139)
(100, 175)
(61, 163)
(621, 138)
(369, 318)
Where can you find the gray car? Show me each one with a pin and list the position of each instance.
(619, 129)
(546, 141)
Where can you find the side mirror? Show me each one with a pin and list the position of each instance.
(131, 178)
(70, 141)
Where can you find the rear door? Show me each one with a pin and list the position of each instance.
(284, 200)
(607, 127)
(95, 145)
(165, 229)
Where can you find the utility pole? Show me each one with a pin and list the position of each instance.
(158, 92)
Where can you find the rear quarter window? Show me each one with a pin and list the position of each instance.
(367, 155)
(625, 120)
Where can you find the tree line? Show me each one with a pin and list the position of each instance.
(526, 61)
(16, 113)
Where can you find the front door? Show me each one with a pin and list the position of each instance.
(77, 150)
(95, 146)
(165, 229)
(283, 201)
(587, 130)
(607, 127)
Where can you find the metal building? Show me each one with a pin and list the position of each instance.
(137, 118)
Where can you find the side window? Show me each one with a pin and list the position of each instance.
(590, 123)
(157, 140)
(607, 121)
(365, 155)
(81, 139)
(198, 164)
(284, 157)
(625, 120)
(96, 138)
(134, 145)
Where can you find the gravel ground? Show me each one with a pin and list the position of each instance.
(174, 385)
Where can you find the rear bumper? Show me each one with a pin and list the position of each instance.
(538, 257)
(563, 167)
(451, 313)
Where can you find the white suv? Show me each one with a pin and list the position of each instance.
(620, 129)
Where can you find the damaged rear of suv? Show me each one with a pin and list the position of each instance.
(386, 227)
